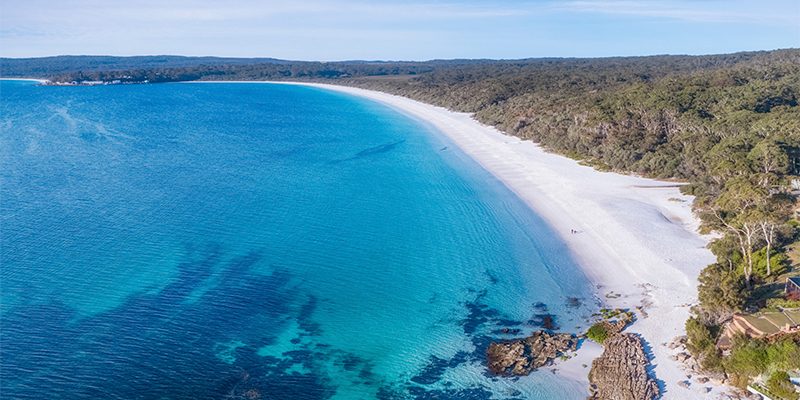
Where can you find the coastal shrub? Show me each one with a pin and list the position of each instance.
(721, 287)
(596, 164)
(711, 360)
(692, 189)
(780, 385)
(701, 344)
(727, 251)
(699, 336)
(574, 155)
(753, 356)
(608, 313)
(748, 358)
(783, 303)
(597, 333)
(784, 353)
(777, 260)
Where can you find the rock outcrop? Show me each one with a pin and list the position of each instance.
(520, 357)
(614, 327)
(620, 373)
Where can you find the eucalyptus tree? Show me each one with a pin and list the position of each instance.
(737, 213)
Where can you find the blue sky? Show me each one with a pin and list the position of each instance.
(335, 30)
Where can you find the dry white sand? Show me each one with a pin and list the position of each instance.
(635, 237)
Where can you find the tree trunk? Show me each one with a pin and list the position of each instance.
(769, 238)
(745, 254)
(748, 269)
(749, 232)
(745, 235)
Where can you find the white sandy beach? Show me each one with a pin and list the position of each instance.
(633, 238)
(24, 79)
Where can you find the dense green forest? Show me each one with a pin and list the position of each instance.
(729, 125)
(43, 67)
(180, 68)
(306, 71)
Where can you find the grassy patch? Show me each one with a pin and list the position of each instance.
(596, 164)
(607, 313)
(597, 333)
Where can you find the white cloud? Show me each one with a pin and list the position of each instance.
(695, 11)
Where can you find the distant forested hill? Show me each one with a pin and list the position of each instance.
(284, 70)
(172, 68)
(44, 67)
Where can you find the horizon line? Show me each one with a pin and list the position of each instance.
(401, 61)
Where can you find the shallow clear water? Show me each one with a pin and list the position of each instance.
(201, 240)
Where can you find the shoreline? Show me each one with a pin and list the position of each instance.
(635, 237)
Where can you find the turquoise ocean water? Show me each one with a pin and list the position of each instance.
(267, 241)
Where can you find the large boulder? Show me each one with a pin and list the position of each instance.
(614, 327)
(521, 356)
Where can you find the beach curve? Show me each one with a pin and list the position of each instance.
(636, 239)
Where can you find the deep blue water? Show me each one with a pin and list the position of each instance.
(181, 241)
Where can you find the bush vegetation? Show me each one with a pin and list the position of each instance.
(754, 356)
(701, 340)
(780, 385)
(783, 303)
(597, 333)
